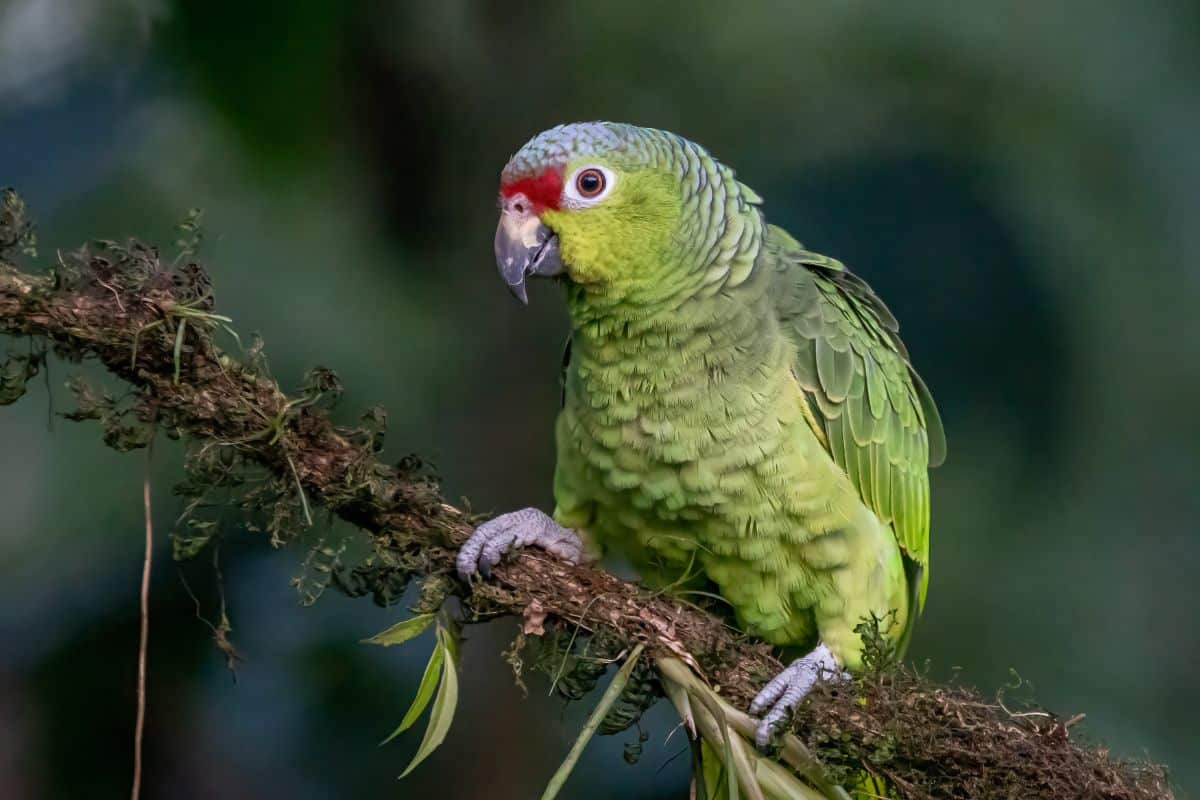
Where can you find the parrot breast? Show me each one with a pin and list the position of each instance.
(686, 442)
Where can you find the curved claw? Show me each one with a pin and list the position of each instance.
(494, 538)
(788, 688)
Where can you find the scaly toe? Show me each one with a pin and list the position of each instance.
(785, 691)
(491, 540)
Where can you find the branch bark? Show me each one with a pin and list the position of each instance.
(152, 325)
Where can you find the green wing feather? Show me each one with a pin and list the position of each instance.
(879, 421)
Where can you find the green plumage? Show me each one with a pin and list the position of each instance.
(737, 409)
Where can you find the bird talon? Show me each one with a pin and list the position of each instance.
(491, 540)
(785, 691)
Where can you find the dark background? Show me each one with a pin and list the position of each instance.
(1020, 181)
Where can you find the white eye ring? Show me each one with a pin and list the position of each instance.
(577, 192)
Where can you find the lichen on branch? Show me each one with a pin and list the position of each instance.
(280, 461)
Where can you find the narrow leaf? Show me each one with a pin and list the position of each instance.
(731, 766)
(700, 769)
(683, 705)
(429, 682)
(179, 347)
(401, 632)
(712, 767)
(450, 637)
(780, 784)
(805, 763)
(443, 706)
(740, 777)
(745, 761)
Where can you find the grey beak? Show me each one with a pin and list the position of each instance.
(524, 246)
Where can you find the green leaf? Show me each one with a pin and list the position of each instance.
(703, 776)
(678, 696)
(429, 682)
(779, 783)
(179, 347)
(443, 706)
(401, 632)
(731, 768)
(745, 761)
(450, 637)
(738, 769)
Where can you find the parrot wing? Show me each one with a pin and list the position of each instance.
(869, 407)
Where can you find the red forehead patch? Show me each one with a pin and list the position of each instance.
(544, 190)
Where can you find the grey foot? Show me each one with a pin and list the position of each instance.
(789, 687)
(494, 538)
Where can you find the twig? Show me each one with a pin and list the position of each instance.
(144, 640)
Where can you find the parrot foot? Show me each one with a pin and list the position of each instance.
(788, 688)
(494, 538)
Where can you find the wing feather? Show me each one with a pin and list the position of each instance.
(880, 422)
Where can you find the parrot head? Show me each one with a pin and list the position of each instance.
(600, 204)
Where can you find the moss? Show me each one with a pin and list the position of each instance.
(128, 424)
(924, 740)
(17, 234)
(574, 661)
(15, 374)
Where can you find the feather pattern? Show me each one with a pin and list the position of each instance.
(737, 409)
(877, 414)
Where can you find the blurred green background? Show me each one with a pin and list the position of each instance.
(1020, 181)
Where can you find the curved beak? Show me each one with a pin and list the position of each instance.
(524, 246)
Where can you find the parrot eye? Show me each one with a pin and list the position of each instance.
(588, 186)
(590, 183)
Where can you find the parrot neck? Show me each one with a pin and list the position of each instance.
(649, 351)
(698, 312)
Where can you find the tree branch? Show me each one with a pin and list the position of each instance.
(152, 325)
(216, 400)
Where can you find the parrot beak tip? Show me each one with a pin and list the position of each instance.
(524, 247)
(518, 291)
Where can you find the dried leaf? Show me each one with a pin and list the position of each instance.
(534, 620)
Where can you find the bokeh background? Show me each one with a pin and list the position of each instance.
(1020, 181)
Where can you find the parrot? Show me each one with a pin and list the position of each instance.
(737, 409)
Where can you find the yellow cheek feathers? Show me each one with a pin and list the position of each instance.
(624, 242)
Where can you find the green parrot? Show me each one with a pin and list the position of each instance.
(736, 406)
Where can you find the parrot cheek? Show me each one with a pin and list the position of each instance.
(580, 255)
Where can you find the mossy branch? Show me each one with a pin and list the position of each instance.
(153, 325)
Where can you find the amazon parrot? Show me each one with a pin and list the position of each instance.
(737, 408)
